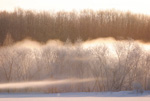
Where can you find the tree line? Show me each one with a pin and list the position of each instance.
(62, 25)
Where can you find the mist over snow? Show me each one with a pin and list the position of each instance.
(102, 64)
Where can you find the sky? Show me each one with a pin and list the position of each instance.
(137, 6)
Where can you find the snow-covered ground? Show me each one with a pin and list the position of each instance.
(85, 96)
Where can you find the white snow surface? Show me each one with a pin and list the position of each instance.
(77, 96)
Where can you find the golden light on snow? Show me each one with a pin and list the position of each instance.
(35, 84)
(106, 42)
(28, 44)
(146, 47)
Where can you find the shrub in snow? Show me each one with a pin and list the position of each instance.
(137, 87)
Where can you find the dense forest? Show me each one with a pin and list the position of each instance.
(62, 25)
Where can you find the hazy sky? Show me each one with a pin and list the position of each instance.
(140, 6)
